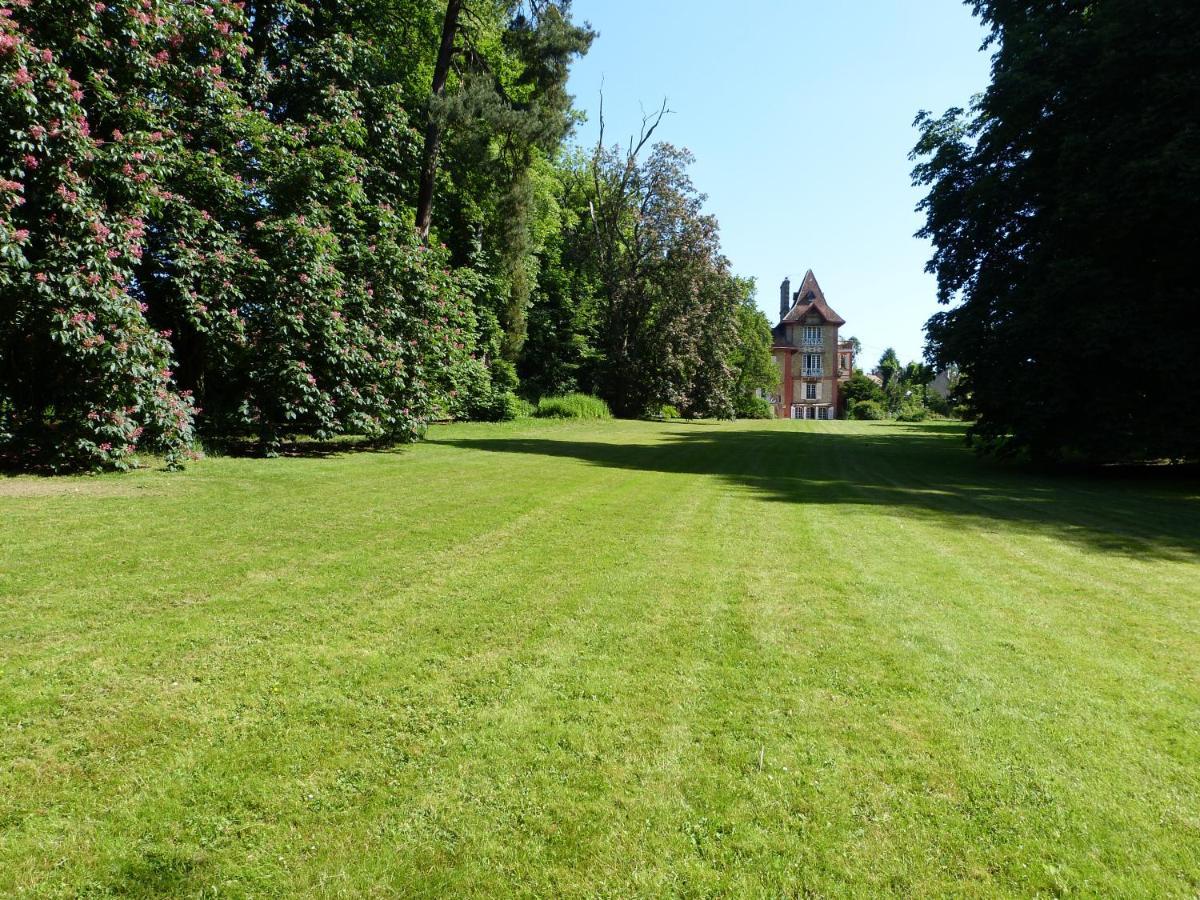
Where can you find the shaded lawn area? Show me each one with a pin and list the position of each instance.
(617, 658)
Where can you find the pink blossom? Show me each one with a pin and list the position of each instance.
(41, 277)
(47, 56)
(106, 446)
(22, 77)
(36, 132)
(99, 7)
(31, 161)
(21, 235)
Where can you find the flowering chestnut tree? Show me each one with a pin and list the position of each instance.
(85, 379)
(202, 226)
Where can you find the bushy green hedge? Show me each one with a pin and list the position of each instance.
(518, 408)
(665, 413)
(866, 409)
(754, 408)
(573, 406)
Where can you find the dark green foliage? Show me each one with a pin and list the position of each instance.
(859, 387)
(751, 359)
(889, 368)
(518, 408)
(666, 316)
(937, 404)
(573, 406)
(215, 234)
(221, 213)
(865, 409)
(1062, 208)
(754, 407)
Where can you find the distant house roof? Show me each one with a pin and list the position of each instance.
(811, 299)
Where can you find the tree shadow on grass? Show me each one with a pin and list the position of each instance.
(920, 469)
(300, 448)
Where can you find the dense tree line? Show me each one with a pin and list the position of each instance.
(282, 218)
(1062, 208)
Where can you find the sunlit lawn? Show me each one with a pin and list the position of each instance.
(614, 659)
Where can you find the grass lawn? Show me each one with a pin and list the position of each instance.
(602, 659)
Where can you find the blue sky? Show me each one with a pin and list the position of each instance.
(800, 116)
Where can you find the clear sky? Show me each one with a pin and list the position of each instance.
(800, 116)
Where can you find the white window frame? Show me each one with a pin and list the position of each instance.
(812, 334)
(809, 368)
(812, 390)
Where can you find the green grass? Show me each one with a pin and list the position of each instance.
(602, 659)
(572, 406)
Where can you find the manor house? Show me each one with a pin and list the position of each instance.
(813, 362)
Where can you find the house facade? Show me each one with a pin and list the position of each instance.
(813, 360)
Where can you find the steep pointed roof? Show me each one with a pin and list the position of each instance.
(810, 298)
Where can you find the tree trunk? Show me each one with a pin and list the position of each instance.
(433, 131)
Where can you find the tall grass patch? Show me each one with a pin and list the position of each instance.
(573, 406)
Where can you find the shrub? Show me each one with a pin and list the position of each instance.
(668, 412)
(866, 409)
(518, 408)
(573, 406)
(753, 407)
(912, 412)
(937, 404)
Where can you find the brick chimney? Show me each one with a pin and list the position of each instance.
(785, 298)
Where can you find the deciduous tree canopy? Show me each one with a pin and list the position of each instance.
(282, 218)
(1062, 209)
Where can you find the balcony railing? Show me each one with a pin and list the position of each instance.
(817, 343)
(813, 373)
